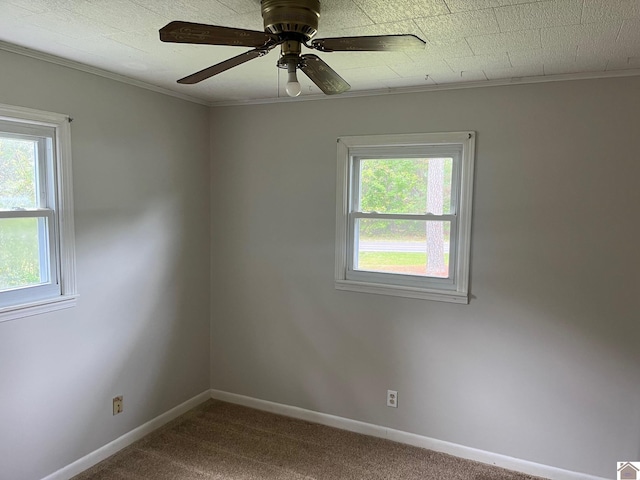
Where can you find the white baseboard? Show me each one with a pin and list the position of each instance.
(461, 451)
(127, 439)
(356, 426)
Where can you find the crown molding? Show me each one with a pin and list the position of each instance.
(47, 57)
(445, 86)
(28, 52)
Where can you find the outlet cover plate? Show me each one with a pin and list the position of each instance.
(392, 398)
(117, 404)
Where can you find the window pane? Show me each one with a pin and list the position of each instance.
(23, 252)
(17, 173)
(410, 247)
(406, 185)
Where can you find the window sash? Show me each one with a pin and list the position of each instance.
(355, 274)
(49, 264)
(44, 140)
(423, 151)
(27, 213)
(405, 216)
(45, 177)
(355, 213)
(16, 128)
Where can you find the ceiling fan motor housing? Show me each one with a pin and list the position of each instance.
(297, 17)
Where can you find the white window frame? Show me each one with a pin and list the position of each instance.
(458, 145)
(56, 208)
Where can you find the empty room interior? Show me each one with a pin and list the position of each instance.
(412, 220)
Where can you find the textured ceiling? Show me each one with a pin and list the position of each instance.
(467, 40)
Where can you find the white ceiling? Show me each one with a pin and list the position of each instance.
(467, 41)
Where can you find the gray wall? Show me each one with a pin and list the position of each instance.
(542, 365)
(141, 326)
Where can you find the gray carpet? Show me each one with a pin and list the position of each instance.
(222, 441)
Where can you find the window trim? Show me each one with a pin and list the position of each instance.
(62, 220)
(352, 147)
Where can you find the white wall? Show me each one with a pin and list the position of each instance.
(141, 326)
(542, 365)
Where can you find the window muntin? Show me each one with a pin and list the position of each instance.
(401, 227)
(36, 219)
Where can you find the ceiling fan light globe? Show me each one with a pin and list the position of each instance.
(293, 89)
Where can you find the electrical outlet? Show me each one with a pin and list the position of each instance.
(392, 398)
(117, 404)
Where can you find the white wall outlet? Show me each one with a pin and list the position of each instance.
(392, 398)
(117, 404)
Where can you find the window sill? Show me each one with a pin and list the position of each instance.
(14, 312)
(401, 291)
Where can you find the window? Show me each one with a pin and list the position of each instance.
(37, 260)
(404, 215)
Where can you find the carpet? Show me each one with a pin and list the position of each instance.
(223, 441)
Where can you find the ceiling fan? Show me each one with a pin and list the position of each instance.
(290, 24)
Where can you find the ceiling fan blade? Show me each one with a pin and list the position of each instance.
(223, 66)
(377, 43)
(187, 32)
(323, 75)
